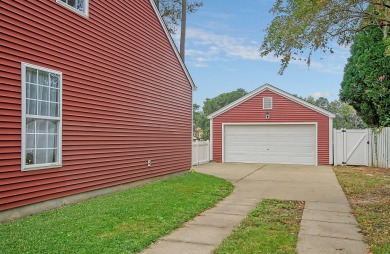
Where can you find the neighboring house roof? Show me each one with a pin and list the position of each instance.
(173, 45)
(275, 90)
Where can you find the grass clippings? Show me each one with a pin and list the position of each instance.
(272, 227)
(124, 222)
(368, 192)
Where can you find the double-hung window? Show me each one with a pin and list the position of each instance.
(41, 117)
(78, 6)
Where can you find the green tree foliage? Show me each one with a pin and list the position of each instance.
(346, 115)
(301, 27)
(212, 105)
(366, 82)
(171, 10)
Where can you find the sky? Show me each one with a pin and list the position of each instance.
(222, 54)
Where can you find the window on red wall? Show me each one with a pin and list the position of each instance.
(78, 6)
(41, 117)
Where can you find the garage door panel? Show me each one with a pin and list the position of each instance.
(254, 138)
(254, 143)
(270, 143)
(267, 150)
(275, 159)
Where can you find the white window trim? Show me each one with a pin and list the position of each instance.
(58, 164)
(264, 98)
(83, 14)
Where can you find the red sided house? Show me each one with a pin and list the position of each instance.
(269, 125)
(93, 94)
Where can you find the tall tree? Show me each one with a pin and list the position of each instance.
(366, 82)
(301, 27)
(171, 11)
(183, 28)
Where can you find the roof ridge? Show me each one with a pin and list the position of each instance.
(273, 89)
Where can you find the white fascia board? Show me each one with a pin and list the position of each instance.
(173, 45)
(275, 90)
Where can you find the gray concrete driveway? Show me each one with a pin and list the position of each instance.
(285, 182)
(327, 225)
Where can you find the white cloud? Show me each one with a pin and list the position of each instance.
(322, 94)
(214, 47)
(206, 46)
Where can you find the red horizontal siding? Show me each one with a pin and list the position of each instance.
(284, 110)
(126, 98)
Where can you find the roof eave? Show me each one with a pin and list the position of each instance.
(275, 90)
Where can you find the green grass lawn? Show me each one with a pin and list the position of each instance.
(124, 222)
(272, 227)
(368, 192)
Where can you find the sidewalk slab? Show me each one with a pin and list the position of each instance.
(232, 209)
(199, 235)
(304, 191)
(330, 207)
(309, 244)
(169, 247)
(236, 199)
(217, 220)
(331, 229)
(325, 216)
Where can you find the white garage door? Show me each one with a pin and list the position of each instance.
(283, 143)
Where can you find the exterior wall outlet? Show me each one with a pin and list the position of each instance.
(149, 163)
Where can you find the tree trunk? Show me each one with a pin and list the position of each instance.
(183, 28)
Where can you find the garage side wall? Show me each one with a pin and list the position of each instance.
(284, 111)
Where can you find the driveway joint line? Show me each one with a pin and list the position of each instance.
(333, 222)
(179, 241)
(226, 203)
(202, 226)
(227, 213)
(346, 204)
(274, 180)
(251, 173)
(212, 226)
(319, 210)
(333, 237)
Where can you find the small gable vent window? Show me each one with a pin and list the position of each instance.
(78, 6)
(267, 103)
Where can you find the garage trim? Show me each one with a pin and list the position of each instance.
(274, 123)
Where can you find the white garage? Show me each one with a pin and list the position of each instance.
(270, 143)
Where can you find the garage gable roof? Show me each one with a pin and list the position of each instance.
(173, 45)
(275, 90)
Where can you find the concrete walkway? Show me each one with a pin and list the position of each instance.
(327, 225)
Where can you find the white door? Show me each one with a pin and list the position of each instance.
(279, 143)
(351, 147)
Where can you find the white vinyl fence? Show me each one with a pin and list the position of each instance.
(200, 152)
(380, 151)
(362, 147)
